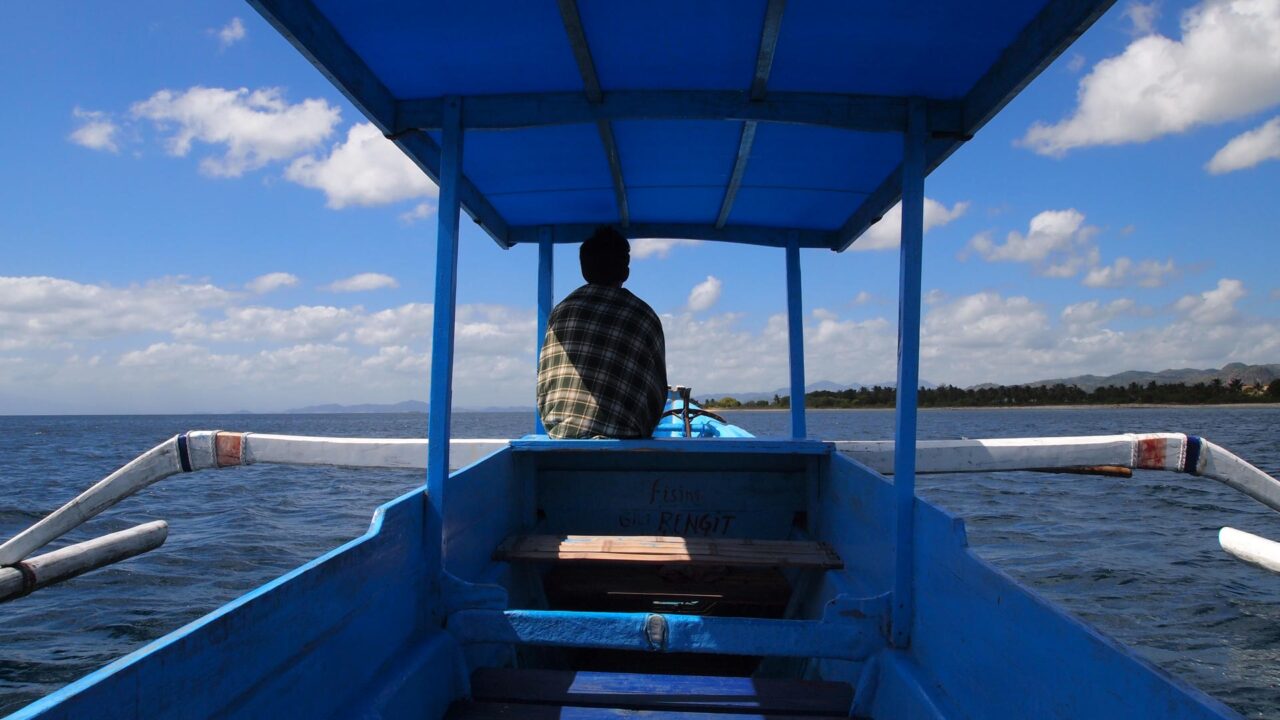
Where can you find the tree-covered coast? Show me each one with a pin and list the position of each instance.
(1215, 392)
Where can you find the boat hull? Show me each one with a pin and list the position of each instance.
(361, 631)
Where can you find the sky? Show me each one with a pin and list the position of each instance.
(192, 219)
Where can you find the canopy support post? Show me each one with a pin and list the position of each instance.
(795, 336)
(546, 276)
(446, 296)
(904, 435)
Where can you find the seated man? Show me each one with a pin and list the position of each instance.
(603, 367)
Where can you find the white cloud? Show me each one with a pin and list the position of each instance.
(1076, 63)
(862, 298)
(1213, 307)
(270, 282)
(644, 248)
(398, 325)
(1093, 313)
(1147, 273)
(46, 311)
(249, 324)
(1143, 16)
(1057, 243)
(1225, 66)
(231, 33)
(366, 169)
(96, 131)
(256, 127)
(887, 233)
(985, 320)
(362, 282)
(1248, 149)
(705, 294)
(421, 211)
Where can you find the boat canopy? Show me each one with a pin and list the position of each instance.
(756, 121)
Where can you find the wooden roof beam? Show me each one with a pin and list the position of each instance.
(1048, 34)
(865, 113)
(312, 34)
(744, 234)
(764, 65)
(591, 87)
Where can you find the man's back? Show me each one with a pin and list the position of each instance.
(602, 371)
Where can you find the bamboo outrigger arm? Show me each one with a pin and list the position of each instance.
(1152, 451)
(209, 449)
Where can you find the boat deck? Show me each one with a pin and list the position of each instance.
(506, 694)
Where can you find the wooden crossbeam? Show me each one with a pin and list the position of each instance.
(764, 65)
(591, 87)
(639, 693)
(668, 550)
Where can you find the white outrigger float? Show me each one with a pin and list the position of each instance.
(702, 574)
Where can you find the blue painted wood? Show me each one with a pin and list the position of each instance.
(768, 46)
(745, 142)
(904, 430)
(720, 503)
(446, 296)
(1050, 33)
(350, 629)
(546, 303)
(681, 446)
(661, 692)
(591, 88)
(864, 113)
(314, 36)
(795, 337)
(743, 234)
(996, 645)
(521, 711)
(851, 638)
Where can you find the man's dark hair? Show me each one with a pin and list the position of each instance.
(605, 257)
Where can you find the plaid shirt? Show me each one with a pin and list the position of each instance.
(603, 368)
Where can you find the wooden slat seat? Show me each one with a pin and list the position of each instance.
(466, 710)
(669, 551)
(499, 692)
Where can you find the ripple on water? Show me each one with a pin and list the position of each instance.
(1136, 558)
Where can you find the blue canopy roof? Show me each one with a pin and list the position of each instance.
(754, 121)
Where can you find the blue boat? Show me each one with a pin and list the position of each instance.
(703, 572)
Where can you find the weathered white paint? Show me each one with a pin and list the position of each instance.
(68, 562)
(162, 461)
(936, 456)
(152, 466)
(1152, 451)
(1227, 468)
(1257, 551)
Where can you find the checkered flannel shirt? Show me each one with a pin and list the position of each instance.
(603, 368)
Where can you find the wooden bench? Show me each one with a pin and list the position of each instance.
(501, 694)
(668, 551)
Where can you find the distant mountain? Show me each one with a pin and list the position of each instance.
(407, 406)
(1248, 374)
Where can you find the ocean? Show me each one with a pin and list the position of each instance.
(1137, 558)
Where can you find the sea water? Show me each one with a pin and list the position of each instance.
(1137, 558)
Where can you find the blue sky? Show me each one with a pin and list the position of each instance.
(193, 219)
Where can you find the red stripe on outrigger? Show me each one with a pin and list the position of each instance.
(1150, 454)
(229, 448)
